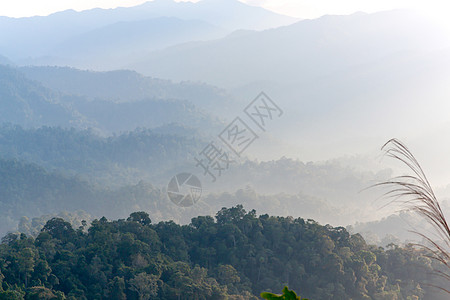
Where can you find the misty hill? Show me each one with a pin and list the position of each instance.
(5, 61)
(343, 185)
(399, 228)
(31, 191)
(130, 157)
(108, 47)
(328, 192)
(303, 51)
(151, 152)
(395, 229)
(29, 104)
(113, 117)
(345, 81)
(28, 190)
(128, 86)
(18, 42)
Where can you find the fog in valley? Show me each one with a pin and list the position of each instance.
(102, 111)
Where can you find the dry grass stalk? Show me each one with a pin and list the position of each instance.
(415, 193)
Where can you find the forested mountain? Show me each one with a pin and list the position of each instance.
(31, 191)
(237, 255)
(322, 71)
(110, 118)
(115, 166)
(334, 74)
(123, 86)
(399, 228)
(102, 176)
(28, 190)
(109, 160)
(156, 150)
(105, 113)
(28, 103)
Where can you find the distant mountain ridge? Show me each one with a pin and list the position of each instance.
(51, 32)
(105, 48)
(302, 51)
(354, 76)
(127, 86)
(28, 103)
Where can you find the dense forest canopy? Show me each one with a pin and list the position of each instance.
(236, 255)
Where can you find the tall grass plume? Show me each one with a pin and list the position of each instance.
(415, 193)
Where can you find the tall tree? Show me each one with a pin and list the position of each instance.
(145, 285)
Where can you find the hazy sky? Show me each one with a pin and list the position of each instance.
(297, 8)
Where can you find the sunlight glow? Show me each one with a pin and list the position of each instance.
(305, 9)
(297, 8)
